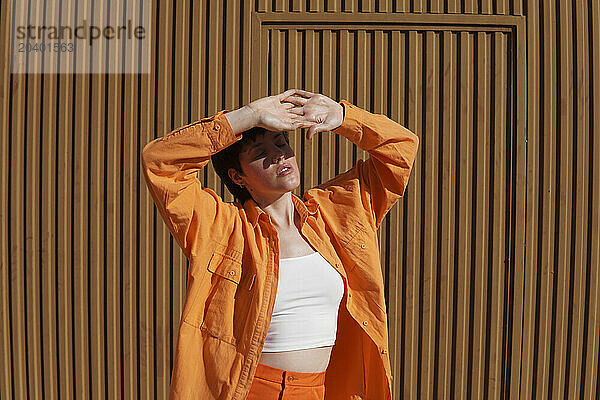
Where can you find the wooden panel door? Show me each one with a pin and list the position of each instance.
(448, 250)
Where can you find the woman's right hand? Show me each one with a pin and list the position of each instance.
(274, 114)
(271, 113)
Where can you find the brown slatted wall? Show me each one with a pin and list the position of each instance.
(490, 261)
(560, 329)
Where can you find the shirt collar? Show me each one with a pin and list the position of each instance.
(253, 211)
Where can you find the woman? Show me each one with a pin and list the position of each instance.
(285, 295)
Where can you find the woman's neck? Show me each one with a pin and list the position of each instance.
(281, 211)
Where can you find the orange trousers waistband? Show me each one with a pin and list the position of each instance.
(281, 376)
(272, 383)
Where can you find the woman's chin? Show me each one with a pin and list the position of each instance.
(289, 188)
(290, 182)
(294, 183)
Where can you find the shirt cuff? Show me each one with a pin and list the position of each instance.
(219, 131)
(351, 127)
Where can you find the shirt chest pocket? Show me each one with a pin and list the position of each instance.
(225, 267)
(221, 309)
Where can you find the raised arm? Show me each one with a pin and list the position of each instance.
(196, 215)
(383, 177)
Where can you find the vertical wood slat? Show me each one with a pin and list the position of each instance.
(329, 88)
(246, 52)
(362, 79)
(518, 7)
(6, 370)
(402, 5)
(470, 7)
(367, 6)
(16, 278)
(501, 6)
(593, 293)
(81, 267)
(348, 6)
(453, 6)
(277, 64)
(130, 239)
(447, 211)
(31, 245)
(333, 6)
(436, 6)
(231, 55)
(533, 272)
(316, 6)
(32, 223)
(113, 217)
(261, 5)
(412, 273)
(497, 268)
(49, 266)
(581, 204)
(97, 231)
(541, 374)
(347, 74)
(65, 225)
(517, 144)
(6, 362)
(486, 7)
(385, 6)
(481, 242)
(464, 222)
(430, 104)
(279, 5)
(564, 204)
(296, 5)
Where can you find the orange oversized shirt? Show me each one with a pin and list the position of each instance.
(233, 254)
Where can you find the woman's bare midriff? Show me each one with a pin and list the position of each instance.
(308, 360)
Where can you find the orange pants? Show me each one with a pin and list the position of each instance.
(271, 383)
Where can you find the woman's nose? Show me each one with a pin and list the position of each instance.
(278, 155)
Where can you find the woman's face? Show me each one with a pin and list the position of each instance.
(269, 167)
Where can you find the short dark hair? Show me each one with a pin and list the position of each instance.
(229, 157)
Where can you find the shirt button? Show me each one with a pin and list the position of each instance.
(217, 127)
(365, 323)
(290, 378)
(383, 351)
(363, 246)
(231, 272)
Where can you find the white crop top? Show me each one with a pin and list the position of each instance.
(309, 292)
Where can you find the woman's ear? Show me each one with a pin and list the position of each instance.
(234, 175)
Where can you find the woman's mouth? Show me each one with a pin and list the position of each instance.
(284, 169)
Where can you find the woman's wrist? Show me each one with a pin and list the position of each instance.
(242, 119)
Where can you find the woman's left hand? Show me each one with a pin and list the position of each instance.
(326, 113)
